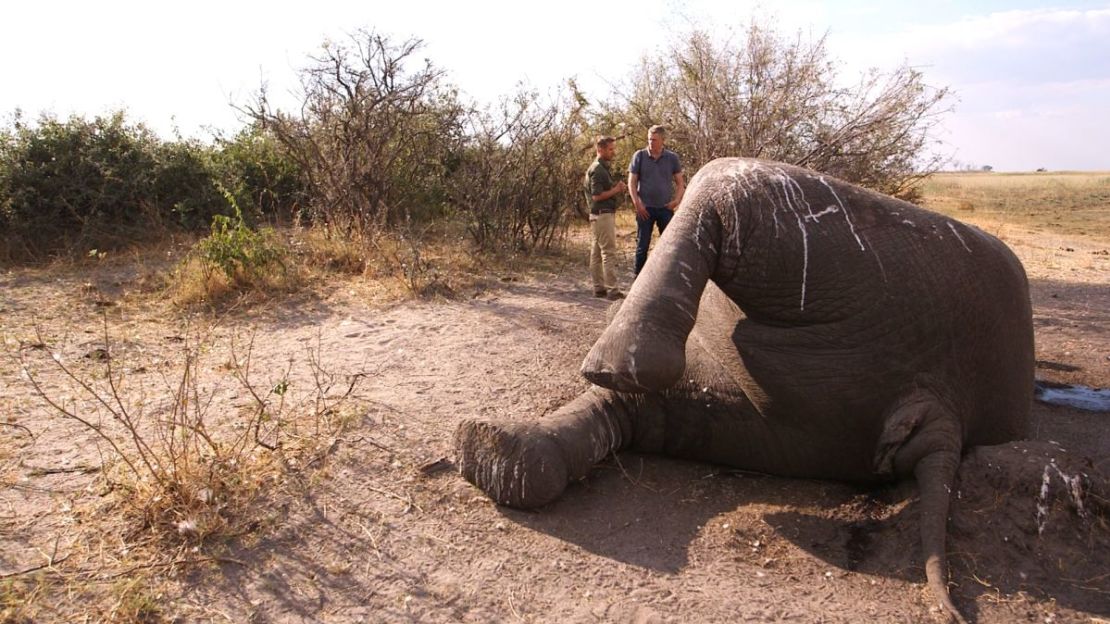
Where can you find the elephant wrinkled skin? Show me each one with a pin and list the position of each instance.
(797, 325)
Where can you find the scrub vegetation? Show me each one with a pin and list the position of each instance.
(383, 144)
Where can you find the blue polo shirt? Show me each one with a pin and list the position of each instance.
(656, 176)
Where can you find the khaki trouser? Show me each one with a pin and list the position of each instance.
(603, 252)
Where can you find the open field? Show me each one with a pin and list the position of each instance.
(357, 515)
(1057, 222)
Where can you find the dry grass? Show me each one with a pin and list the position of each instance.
(180, 472)
(1058, 224)
(432, 262)
(1073, 204)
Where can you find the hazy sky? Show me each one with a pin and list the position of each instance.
(1032, 79)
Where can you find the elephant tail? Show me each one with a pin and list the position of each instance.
(935, 474)
(922, 436)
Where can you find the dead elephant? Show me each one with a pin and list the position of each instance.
(797, 325)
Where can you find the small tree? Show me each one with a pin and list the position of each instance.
(371, 137)
(779, 99)
(519, 172)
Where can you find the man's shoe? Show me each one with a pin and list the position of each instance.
(600, 293)
(614, 294)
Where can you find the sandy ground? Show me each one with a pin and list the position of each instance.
(374, 532)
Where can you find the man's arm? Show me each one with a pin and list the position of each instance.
(679, 190)
(617, 189)
(637, 203)
(634, 186)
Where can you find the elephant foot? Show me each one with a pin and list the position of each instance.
(516, 464)
(636, 359)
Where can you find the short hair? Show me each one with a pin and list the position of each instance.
(657, 130)
(604, 141)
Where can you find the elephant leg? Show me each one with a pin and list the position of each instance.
(643, 348)
(529, 464)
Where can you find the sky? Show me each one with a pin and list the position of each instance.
(1031, 80)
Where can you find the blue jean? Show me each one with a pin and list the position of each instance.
(659, 217)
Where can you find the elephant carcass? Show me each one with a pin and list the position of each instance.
(794, 324)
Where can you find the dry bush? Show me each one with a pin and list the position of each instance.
(402, 257)
(180, 469)
(372, 137)
(314, 249)
(404, 254)
(769, 97)
(518, 176)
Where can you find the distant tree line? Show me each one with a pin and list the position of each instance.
(382, 141)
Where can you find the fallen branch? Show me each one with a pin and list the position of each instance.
(49, 564)
(408, 501)
(18, 426)
(158, 564)
(38, 471)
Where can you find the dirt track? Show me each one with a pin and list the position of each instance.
(371, 537)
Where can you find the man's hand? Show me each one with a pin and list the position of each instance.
(640, 210)
(619, 187)
(672, 205)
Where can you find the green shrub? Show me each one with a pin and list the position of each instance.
(261, 177)
(243, 255)
(103, 183)
(73, 181)
(185, 185)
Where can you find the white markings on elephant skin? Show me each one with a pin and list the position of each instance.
(783, 194)
(632, 358)
(683, 274)
(817, 217)
(685, 311)
(789, 187)
(957, 233)
(844, 209)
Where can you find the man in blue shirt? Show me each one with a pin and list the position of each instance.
(656, 184)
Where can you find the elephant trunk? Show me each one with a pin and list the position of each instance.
(644, 347)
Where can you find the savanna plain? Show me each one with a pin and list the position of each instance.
(285, 454)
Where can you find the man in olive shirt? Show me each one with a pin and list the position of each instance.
(656, 184)
(602, 193)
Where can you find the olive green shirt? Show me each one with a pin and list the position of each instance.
(599, 178)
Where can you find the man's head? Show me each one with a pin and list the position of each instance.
(657, 135)
(606, 147)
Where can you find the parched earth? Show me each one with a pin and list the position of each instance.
(383, 529)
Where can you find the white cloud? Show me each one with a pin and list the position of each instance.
(1034, 45)
(1031, 87)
